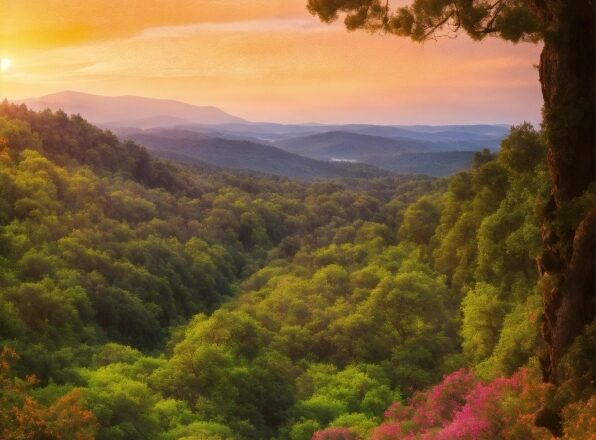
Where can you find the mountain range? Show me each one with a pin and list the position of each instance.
(208, 135)
(195, 148)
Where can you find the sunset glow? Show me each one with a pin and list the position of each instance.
(262, 60)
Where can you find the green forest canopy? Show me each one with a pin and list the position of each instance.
(155, 301)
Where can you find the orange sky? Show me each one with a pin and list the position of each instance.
(262, 60)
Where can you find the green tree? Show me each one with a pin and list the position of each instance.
(483, 314)
(420, 221)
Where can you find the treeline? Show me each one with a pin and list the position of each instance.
(173, 302)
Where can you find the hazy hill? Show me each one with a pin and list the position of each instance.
(402, 156)
(347, 146)
(133, 111)
(325, 155)
(246, 155)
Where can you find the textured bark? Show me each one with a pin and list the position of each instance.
(567, 265)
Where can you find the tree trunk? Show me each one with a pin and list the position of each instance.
(567, 264)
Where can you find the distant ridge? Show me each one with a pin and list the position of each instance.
(346, 145)
(189, 147)
(134, 111)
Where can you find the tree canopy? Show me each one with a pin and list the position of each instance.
(234, 306)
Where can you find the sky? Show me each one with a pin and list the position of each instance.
(263, 60)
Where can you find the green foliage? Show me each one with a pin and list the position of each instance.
(488, 241)
(420, 221)
(122, 405)
(205, 305)
(483, 315)
(353, 397)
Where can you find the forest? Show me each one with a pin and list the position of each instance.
(144, 299)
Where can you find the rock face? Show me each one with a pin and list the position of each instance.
(567, 265)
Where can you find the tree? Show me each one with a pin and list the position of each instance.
(420, 221)
(566, 29)
(483, 314)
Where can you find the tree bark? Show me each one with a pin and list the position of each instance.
(567, 264)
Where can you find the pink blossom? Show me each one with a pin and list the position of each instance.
(462, 407)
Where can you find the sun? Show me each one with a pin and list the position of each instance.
(5, 64)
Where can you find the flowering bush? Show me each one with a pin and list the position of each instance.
(462, 407)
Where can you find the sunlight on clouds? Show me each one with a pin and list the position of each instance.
(274, 61)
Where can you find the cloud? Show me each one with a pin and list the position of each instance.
(263, 25)
(43, 24)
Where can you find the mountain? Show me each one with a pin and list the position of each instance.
(342, 145)
(132, 111)
(207, 134)
(324, 155)
(196, 148)
(319, 141)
